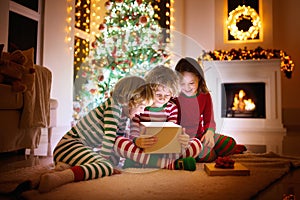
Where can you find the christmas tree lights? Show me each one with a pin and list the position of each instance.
(130, 42)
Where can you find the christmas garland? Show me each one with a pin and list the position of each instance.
(243, 13)
(287, 65)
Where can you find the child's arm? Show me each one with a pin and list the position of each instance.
(110, 122)
(172, 112)
(134, 127)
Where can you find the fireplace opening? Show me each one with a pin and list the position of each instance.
(243, 100)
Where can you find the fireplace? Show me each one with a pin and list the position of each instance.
(243, 100)
(246, 95)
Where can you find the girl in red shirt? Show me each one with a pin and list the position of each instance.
(196, 114)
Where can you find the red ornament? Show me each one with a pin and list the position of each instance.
(102, 27)
(94, 44)
(108, 5)
(93, 91)
(113, 53)
(100, 78)
(94, 61)
(77, 109)
(113, 68)
(152, 60)
(143, 19)
(139, 1)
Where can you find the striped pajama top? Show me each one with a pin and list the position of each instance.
(100, 127)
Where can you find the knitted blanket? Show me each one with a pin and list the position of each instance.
(265, 169)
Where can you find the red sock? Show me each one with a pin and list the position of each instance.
(78, 173)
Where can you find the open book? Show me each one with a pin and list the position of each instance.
(167, 134)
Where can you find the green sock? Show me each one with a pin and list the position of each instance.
(188, 163)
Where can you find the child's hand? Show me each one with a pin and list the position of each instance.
(208, 139)
(143, 142)
(184, 139)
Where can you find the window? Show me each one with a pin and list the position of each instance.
(25, 27)
(31, 4)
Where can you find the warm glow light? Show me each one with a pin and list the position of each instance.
(287, 65)
(241, 104)
(243, 13)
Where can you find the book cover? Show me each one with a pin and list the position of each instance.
(167, 134)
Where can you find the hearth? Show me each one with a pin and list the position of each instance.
(243, 100)
(258, 82)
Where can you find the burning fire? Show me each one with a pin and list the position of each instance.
(241, 104)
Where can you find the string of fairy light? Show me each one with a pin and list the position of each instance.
(168, 17)
(286, 65)
(84, 16)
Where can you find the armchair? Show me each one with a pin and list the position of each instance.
(24, 114)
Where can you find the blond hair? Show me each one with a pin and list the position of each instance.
(132, 91)
(142, 94)
(164, 76)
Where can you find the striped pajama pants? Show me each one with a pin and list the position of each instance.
(75, 153)
(125, 148)
(224, 146)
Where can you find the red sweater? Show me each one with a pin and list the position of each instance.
(196, 114)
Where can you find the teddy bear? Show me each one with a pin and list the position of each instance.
(12, 70)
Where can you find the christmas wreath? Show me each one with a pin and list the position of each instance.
(243, 13)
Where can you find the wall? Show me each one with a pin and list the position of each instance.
(286, 37)
(59, 58)
(194, 20)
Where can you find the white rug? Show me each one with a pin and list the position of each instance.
(162, 184)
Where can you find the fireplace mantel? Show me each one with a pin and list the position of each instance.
(267, 131)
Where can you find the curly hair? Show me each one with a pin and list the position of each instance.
(166, 77)
(132, 91)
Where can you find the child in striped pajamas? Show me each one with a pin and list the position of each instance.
(196, 112)
(166, 84)
(74, 153)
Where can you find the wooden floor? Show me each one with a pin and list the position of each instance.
(43, 156)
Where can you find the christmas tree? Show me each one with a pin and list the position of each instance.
(130, 43)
